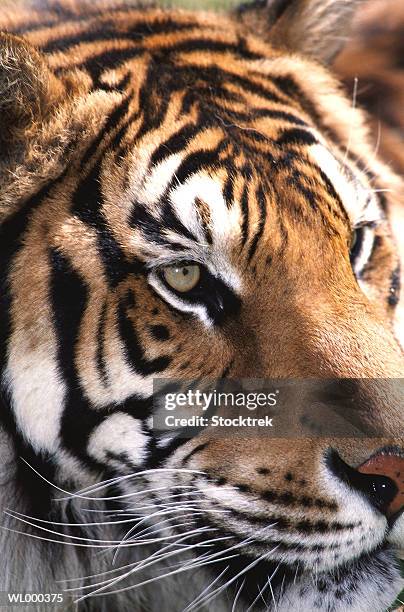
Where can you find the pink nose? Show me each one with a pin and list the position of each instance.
(390, 464)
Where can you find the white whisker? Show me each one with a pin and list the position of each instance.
(210, 585)
(229, 582)
(142, 565)
(154, 579)
(237, 596)
(117, 569)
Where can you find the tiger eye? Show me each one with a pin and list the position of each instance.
(182, 278)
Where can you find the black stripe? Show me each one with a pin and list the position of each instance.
(245, 214)
(296, 179)
(100, 362)
(110, 124)
(261, 200)
(195, 162)
(263, 113)
(158, 84)
(287, 85)
(101, 62)
(69, 296)
(12, 232)
(62, 14)
(341, 212)
(107, 30)
(215, 76)
(175, 143)
(134, 353)
(192, 164)
(250, 136)
(296, 136)
(206, 44)
(86, 205)
(69, 300)
(228, 190)
(153, 229)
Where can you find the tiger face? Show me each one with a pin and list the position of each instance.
(187, 195)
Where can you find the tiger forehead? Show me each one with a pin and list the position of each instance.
(186, 209)
(256, 154)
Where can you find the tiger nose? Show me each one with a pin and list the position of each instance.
(380, 479)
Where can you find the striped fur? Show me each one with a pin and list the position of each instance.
(134, 138)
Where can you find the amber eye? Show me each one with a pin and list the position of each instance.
(182, 278)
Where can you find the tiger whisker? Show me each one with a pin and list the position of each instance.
(151, 505)
(210, 585)
(377, 146)
(167, 515)
(141, 473)
(53, 532)
(106, 544)
(216, 592)
(71, 495)
(259, 596)
(281, 589)
(115, 497)
(171, 527)
(118, 479)
(43, 539)
(117, 569)
(154, 558)
(269, 581)
(237, 596)
(272, 594)
(63, 524)
(52, 484)
(234, 547)
(261, 591)
(98, 593)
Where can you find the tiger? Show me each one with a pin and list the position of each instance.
(192, 195)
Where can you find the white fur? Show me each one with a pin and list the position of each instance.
(37, 392)
(118, 433)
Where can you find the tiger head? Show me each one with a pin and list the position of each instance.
(192, 195)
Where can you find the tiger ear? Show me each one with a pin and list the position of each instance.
(28, 89)
(316, 28)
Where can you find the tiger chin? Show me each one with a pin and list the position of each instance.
(191, 195)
